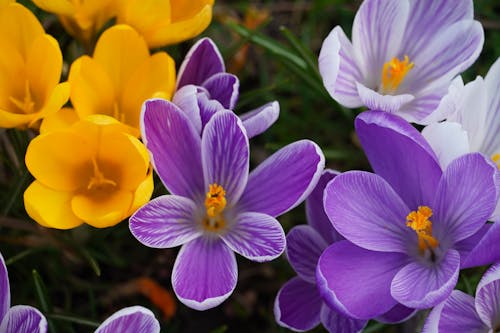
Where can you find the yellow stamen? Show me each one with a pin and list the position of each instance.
(215, 201)
(496, 159)
(26, 104)
(117, 114)
(419, 221)
(393, 73)
(98, 180)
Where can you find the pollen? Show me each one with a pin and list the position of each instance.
(394, 72)
(419, 221)
(215, 201)
(496, 159)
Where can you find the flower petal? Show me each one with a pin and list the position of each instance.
(356, 282)
(431, 324)
(186, 99)
(399, 153)
(482, 248)
(175, 148)
(298, 305)
(166, 221)
(398, 314)
(491, 141)
(208, 107)
(130, 320)
(303, 249)
(225, 154)
(465, 198)
(258, 237)
(487, 303)
(216, 273)
(201, 62)
(420, 285)
(389, 103)
(223, 87)
(335, 322)
(284, 179)
(23, 319)
(259, 120)
(365, 209)
(315, 211)
(4, 289)
(61, 119)
(339, 69)
(459, 315)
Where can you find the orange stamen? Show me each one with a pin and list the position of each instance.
(419, 221)
(393, 73)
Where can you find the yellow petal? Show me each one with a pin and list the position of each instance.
(61, 119)
(92, 91)
(154, 78)
(102, 209)
(60, 7)
(120, 50)
(186, 10)
(143, 14)
(11, 120)
(58, 97)
(61, 160)
(6, 2)
(143, 193)
(50, 208)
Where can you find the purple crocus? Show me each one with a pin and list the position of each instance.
(403, 55)
(133, 319)
(299, 305)
(204, 88)
(19, 318)
(406, 226)
(216, 208)
(462, 313)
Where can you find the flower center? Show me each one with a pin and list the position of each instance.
(496, 159)
(215, 202)
(393, 73)
(419, 221)
(98, 181)
(26, 104)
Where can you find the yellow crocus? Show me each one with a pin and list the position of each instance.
(82, 19)
(30, 69)
(120, 76)
(93, 171)
(165, 22)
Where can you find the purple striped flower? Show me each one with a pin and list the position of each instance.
(462, 313)
(299, 305)
(19, 318)
(403, 55)
(133, 319)
(408, 227)
(204, 88)
(216, 208)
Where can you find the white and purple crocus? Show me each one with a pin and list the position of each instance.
(403, 55)
(216, 207)
(19, 318)
(133, 319)
(407, 226)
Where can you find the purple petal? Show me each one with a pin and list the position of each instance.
(303, 248)
(256, 236)
(315, 211)
(465, 198)
(377, 32)
(459, 315)
(365, 209)
(357, 282)
(224, 88)
(208, 107)
(186, 99)
(398, 314)
(201, 62)
(491, 141)
(259, 120)
(339, 70)
(432, 321)
(166, 221)
(175, 147)
(399, 153)
(23, 319)
(376, 101)
(225, 154)
(298, 305)
(422, 285)
(487, 297)
(4, 289)
(419, 110)
(482, 248)
(334, 322)
(130, 320)
(204, 273)
(284, 179)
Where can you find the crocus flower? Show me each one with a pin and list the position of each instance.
(165, 22)
(403, 55)
(92, 171)
(299, 305)
(216, 208)
(406, 225)
(204, 87)
(120, 76)
(133, 319)
(462, 313)
(81, 19)
(19, 318)
(30, 68)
